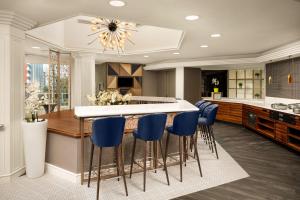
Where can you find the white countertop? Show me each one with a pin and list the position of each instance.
(262, 103)
(133, 109)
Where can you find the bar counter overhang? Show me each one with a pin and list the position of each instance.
(68, 148)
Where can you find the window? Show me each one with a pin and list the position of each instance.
(39, 73)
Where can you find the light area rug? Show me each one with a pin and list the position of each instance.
(215, 172)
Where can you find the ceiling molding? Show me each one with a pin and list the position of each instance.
(286, 51)
(16, 21)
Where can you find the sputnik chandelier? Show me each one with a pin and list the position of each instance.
(112, 34)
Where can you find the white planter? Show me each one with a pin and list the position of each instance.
(34, 137)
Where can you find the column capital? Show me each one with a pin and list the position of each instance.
(17, 21)
(83, 55)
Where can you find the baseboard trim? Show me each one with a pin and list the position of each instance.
(62, 173)
(10, 176)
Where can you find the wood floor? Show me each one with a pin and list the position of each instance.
(274, 170)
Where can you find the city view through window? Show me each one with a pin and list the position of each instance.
(39, 73)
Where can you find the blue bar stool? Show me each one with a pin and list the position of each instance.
(199, 103)
(184, 125)
(108, 132)
(206, 121)
(203, 106)
(150, 129)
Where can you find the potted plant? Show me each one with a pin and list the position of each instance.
(257, 95)
(215, 82)
(240, 84)
(34, 133)
(256, 75)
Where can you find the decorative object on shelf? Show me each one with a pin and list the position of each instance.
(34, 133)
(240, 85)
(215, 82)
(270, 80)
(216, 95)
(256, 75)
(109, 98)
(289, 79)
(113, 33)
(257, 95)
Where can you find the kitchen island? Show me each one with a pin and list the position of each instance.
(68, 133)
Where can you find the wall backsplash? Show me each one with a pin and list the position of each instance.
(278, 83)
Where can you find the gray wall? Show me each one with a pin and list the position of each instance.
(100, 75)
(149, 83)
(192, 84)
(159, 83)
(279, 86)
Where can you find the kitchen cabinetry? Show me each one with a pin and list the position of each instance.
(229, 112)
(280, 127)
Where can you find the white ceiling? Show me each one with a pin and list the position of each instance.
(247, 26)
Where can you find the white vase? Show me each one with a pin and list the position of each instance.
(34, 137)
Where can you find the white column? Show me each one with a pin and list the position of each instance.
(83, 78)
(179, 83)
(12, 41)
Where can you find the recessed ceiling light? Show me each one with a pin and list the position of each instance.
(146, 56)
(215, 35)
(204, 46)
(176, 53)
(36, 47)
(191, 17)
(117, 3)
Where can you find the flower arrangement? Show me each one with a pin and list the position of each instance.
(215, 83)
(109, 98)
(33, 102)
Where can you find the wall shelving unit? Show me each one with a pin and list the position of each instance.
(246, 84)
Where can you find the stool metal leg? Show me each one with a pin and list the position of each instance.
(121, 159)
(117, 163)
(145, 167)
(155, 155)
(214, 141)
(164, 160)
(91, 163)
(167, 145)
(99, 169)
(197, 157)
(184, 150)
(132, 157)
(180, 157)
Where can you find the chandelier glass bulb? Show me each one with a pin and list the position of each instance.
(112, 34)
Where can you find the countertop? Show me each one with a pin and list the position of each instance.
(133, 109)
(262, 103)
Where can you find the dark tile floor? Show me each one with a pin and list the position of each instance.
(274, 170)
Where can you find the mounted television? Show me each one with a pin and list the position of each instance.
(125, 82)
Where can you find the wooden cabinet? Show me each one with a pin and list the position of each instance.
(229, 112)
(259, 120)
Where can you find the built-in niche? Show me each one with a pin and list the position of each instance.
(127, 78)
(208, 87)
